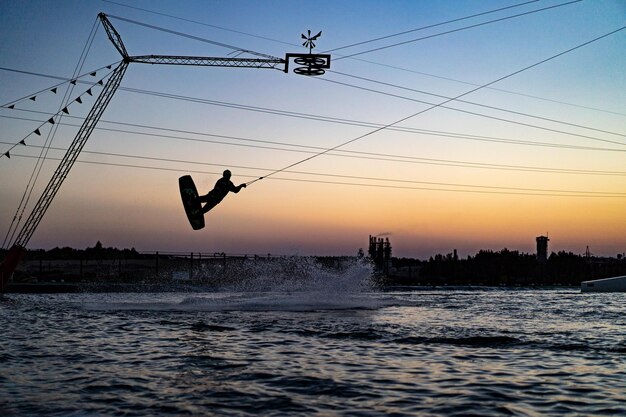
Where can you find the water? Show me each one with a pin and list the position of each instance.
(324, 345)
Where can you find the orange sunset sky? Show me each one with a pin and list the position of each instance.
(542, 151)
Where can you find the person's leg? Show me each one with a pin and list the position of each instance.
(208, 206)
(211, 202)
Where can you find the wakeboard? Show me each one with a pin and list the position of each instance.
(193, 208)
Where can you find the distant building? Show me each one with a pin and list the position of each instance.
(542, 249)
(380, 252)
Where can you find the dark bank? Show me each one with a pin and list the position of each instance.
(100, 268)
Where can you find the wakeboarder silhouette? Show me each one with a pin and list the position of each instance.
(222, 187)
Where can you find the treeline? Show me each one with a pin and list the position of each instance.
(505, 267)
(493, 268)
(98, 251)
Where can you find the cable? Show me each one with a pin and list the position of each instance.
(197, 38)
(59, 112)
(349, 122)
(482, 189)
(201, 23)
(297, 45)
(479, 114)
(456, 30)
(376, 157)
(521, 70)
(472, 103)
(368, 124)
(304, 115)
(490, 88)
(65, 81)
(354, 154)
(343, 153)
(44, 151)
(372, 62)
(384, 37)
(429, 26)
(442, 103)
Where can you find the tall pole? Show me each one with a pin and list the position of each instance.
(70, 156)
(17, 250)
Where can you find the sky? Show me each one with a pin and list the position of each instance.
(532, 146)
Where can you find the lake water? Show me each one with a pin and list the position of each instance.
(324, 345)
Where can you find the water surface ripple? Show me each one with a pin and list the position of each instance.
(411, 352)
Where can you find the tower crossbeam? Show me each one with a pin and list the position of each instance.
(270, 63)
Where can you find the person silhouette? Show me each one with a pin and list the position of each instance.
(222, 187)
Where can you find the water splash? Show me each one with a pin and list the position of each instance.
(284, 284)
(292, 284)
(298, 274)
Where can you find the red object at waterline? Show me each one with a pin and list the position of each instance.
(7, 267)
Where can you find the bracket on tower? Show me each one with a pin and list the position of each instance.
(312, 64)
(114, 37)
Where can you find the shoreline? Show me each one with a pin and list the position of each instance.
(71, 288)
